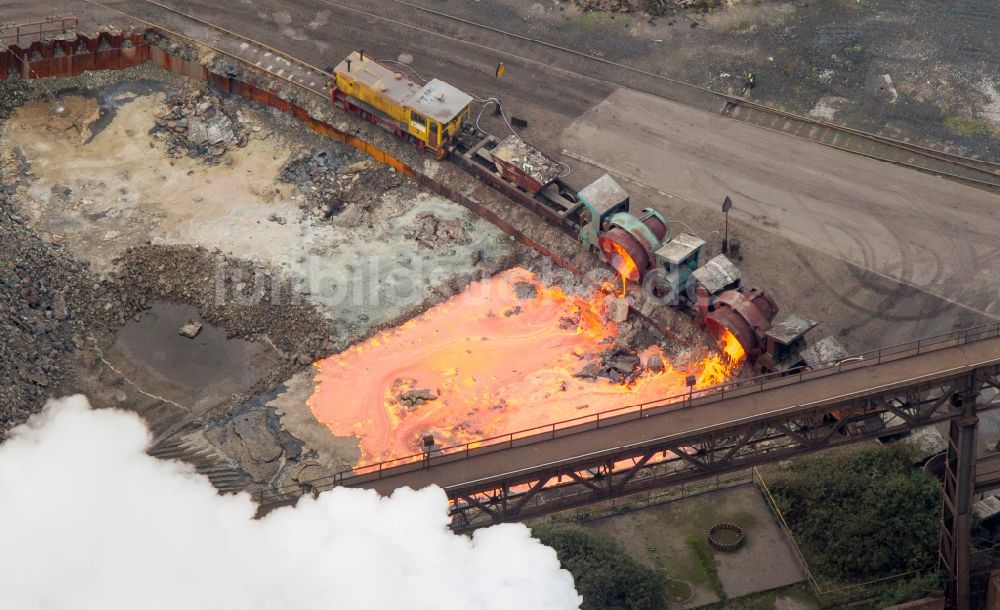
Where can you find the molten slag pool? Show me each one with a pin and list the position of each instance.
(485, 363)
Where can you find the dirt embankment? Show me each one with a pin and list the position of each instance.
(49, 303)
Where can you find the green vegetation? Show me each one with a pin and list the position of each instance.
(859, 515)
(706, 558)
(968, 127)
(910, 589)
(768, 599)
(601, 23)
(605, 576)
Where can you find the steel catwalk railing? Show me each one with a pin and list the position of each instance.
(37, 29)
(617, 415)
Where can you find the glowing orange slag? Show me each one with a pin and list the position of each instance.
(623, 263)
(494, 363)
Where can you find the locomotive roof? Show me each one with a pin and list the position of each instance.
(437, 99)
(440, 101)
(394, 85)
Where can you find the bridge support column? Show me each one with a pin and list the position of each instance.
(959, 484)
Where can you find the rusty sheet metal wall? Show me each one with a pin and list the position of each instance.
(105, 51)
(177, 64)
(370, 149)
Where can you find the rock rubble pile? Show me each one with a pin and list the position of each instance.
(196, 125)
(618, 364)
(432, 232)
(328, 182)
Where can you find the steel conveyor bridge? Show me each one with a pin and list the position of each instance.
(880, 393)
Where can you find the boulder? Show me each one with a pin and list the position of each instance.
(415, 398)
(624, 363)
(525, 290)
(617, 308)
(190, 329)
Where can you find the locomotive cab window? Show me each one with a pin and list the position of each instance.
(418, 121)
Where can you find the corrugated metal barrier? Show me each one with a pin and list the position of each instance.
(105, 51)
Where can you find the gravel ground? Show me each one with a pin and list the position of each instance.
(49, 303)
(910, 69)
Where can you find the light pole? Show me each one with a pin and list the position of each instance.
(428, 447)
(726, 206)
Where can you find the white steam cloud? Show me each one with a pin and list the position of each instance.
(89, 521)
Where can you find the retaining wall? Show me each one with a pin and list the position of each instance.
(105, 51)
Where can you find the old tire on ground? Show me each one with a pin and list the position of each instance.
(726, 537)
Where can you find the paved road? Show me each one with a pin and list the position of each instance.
(925, 232)
(913, 227)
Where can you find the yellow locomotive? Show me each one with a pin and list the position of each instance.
(430, 115)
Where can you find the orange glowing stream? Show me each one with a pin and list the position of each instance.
(498, 364)
(624, 264)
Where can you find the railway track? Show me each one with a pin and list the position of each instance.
(255, 54)
(972, 172)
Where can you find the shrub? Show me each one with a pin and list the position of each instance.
(862, 515)
(910, 589)
(968, 127)
(605, 576)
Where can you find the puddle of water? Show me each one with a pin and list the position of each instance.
(110, 98)
(206, 369)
